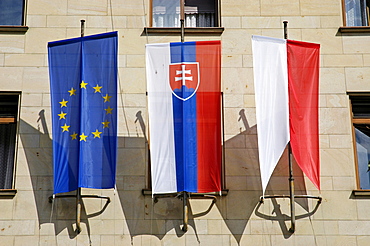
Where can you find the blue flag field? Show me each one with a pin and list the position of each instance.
(83, 86)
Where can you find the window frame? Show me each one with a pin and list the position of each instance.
(344, 16)
(217, 30)
(357, 120)
(16, 29)
(4, 120)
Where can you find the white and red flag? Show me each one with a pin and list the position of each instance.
(286, 81)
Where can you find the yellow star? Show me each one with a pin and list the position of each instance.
(96, 134)
(83, 84)
(73, 136)
(65, 128)
(72, 91)
(97, 88)
(62, 115)
(107, 98)
(83, 137)
(63, 103)
(106, 124)
(109, 110)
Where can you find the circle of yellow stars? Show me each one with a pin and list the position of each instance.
(62, 114)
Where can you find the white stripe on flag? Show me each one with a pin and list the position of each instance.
(162, 147)
(271, 95)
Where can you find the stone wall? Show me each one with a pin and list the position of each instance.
(235, 219)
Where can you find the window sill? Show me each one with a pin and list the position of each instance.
(7, 193)
(354, 29)
(188, 30)
(148, 192)
(361, 193)
(13, 29)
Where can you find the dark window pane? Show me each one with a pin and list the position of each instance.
(8, 109)
(9, 105)
(11, 12)
(7, 150)
(360, 106)
(200, 13)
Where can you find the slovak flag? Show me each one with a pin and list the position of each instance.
(184, 103)
(286, 81)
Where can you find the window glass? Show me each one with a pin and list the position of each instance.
(11, 12)
(8, 131)
(362, 133)
(200, 13)
(357, 12)
(166, 13)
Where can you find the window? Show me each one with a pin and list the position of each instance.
(12, 12)
(356, 12)
(9, 108)
(361, 133)
(166, 13)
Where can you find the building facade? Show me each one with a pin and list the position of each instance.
(237, 218)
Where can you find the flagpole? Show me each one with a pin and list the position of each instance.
(182, 17)
(185, 214)
(78, 191)
(291, 178)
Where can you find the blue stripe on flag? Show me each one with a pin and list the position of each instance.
(185, 124)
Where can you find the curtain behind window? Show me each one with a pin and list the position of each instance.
(166, 13)
(356, 13)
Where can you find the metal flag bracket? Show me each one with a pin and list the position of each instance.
(185, 201)
(79, 197)
(291, 193)
(185, 196)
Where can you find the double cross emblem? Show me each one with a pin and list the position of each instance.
(184, 79)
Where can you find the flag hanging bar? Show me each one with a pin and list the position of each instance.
(82, 28)
(267, 159)
(182, 19)
(285, 29)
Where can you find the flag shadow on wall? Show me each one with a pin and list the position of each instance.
(134, 214)
(275, 209)
(61, 214)
(232, 213)
(97, 217)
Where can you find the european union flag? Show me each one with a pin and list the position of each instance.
(83, 82)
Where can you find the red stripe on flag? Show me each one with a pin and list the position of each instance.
(303, 83)
(209, 116)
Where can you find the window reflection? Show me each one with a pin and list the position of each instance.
(362, 133)
(166, 13)
(356, 12)
(11, 12)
